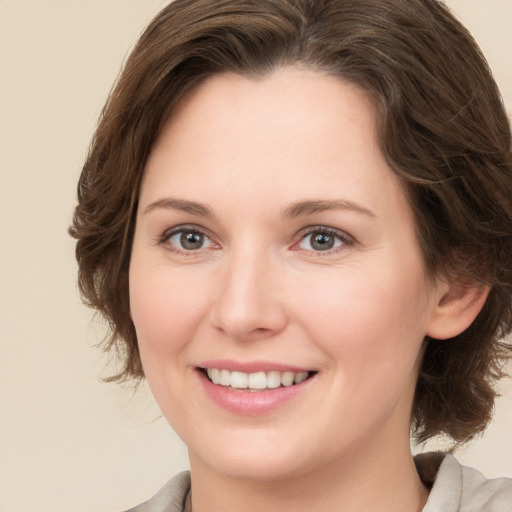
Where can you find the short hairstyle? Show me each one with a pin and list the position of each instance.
(442, 128)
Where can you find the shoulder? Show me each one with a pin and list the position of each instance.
(171, 497)
(457, 488)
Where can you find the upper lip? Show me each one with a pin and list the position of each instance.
(251, 366)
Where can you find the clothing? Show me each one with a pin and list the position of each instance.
(170, 498)
(454, 488)
(457, 488)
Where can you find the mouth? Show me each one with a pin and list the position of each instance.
(257, 381)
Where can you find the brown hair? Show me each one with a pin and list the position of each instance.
(442, 128)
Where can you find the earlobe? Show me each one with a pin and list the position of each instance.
(458, 305)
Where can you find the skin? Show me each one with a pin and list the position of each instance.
(257, 290)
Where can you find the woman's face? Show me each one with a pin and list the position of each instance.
(274, 243)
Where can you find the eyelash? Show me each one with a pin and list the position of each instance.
(184, 229)
(345, 239)
(342, 238)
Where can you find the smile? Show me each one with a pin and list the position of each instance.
(258, 381)
(253, 388)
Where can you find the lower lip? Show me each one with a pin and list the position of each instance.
(251, 403)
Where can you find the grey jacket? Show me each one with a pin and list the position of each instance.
(454, 488)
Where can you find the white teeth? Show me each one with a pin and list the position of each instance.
(273, 380)
(300, 377)
(214, 375)
(239, 380)
(255, 381)
(225, 378)
(287, 378)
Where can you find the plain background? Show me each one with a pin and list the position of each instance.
(68, 441)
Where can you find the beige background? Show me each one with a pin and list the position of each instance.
(67, 441)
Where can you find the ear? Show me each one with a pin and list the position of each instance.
(458, 304)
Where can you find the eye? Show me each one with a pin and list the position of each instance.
(323, 240)
(186, 240)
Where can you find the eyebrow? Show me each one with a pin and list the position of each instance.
(294, 210)
(311, 207)
(191, 207)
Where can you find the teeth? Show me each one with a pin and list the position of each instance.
(225, 378)
(273, 380)
(239, 380)
(255, 381)
(287, 378)
(300, 377)
(214, 375)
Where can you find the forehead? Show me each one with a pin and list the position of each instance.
(293, 134)
(305, 99)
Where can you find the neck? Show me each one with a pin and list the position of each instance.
(375, 481)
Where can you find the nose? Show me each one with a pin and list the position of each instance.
(248, 304)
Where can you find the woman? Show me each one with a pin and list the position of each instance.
(296, 216)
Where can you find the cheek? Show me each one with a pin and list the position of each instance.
(359, 303)
(165, 313)
(372, 324)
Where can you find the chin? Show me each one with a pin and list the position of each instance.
(263, 462)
